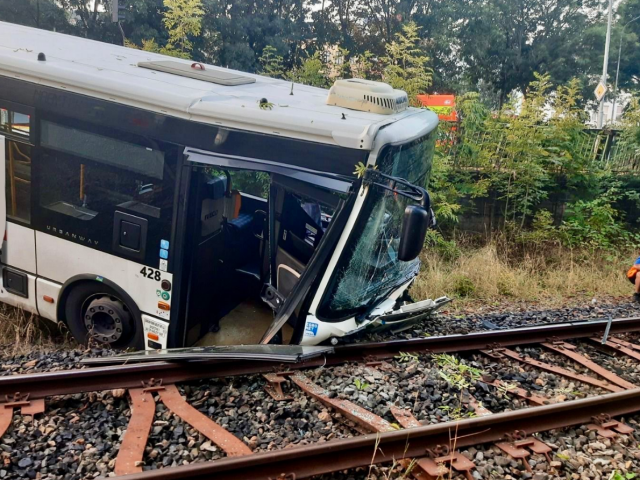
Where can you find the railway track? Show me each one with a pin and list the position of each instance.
(383, 434)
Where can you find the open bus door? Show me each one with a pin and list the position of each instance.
(252, 243)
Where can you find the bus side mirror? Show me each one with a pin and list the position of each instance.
(415, 224)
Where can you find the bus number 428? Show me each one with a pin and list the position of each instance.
(150, 273)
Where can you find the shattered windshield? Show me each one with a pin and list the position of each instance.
(369, 269)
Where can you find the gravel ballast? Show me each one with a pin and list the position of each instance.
(78, 436)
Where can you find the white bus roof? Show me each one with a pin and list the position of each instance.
(111, 72)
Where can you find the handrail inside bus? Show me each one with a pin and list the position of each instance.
(325, 180)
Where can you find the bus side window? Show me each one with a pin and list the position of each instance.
(100, 174)
(16, 126)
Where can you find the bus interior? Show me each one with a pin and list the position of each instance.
(236, 213)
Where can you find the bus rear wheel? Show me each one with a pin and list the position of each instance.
(95, 312)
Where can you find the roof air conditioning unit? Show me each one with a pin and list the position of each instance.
(367, 96)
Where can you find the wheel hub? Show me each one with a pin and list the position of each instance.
(106, 318)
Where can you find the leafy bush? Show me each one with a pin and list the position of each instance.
(447, 249)
(463, 286)
(531, 150)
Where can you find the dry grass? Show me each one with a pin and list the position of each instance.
(481, 276)
(555, 277)
(23, 332)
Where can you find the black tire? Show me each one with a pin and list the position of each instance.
(98, 325)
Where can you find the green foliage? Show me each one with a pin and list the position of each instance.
(253, 183)
(405, 357)
(630, 126)
(183, 19)
(361, 384)
(360, 170)
(628, 30)
(463, 286)
(265, 105)
(406, 64)
(457, 412)
(615, 475)
(596, 223)
(456, 373)
(271, 63)
(472, 44)
(446, 249)
(533, 148)
(362, 66)
(505, 41)
(311, 72)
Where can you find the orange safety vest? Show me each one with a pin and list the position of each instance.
(631, 274)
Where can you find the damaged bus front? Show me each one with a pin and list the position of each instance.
(364, 271)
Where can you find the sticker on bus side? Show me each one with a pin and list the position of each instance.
(156, 331)
(311, 329)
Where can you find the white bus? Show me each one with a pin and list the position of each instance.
(153, 202)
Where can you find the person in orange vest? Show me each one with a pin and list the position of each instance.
(634, 278)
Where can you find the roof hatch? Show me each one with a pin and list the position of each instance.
(199, 72)
(367, 96)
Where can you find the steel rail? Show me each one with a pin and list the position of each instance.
(41, 385)
(349, 453)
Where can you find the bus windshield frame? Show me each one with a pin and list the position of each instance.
(369, 268)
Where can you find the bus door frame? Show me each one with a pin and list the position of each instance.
(329, 181)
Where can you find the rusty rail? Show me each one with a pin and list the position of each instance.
(42, 385)
(361, 451)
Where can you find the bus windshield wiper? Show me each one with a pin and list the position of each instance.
(415, 193)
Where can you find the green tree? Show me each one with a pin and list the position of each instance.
(183, 19)
(271, 63)
(341, 64)
(143, 21)
(503, 42)
(312, 72)
(406, 64)
(630, 126)
(44, 14)
(336, 22)
(627, 30)
(245, 27)
(363, 66)
(182, 22)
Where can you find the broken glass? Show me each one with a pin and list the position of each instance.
(370, 269)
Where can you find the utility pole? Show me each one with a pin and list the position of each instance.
(605, 64)
(615, 89)
(117, 16)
